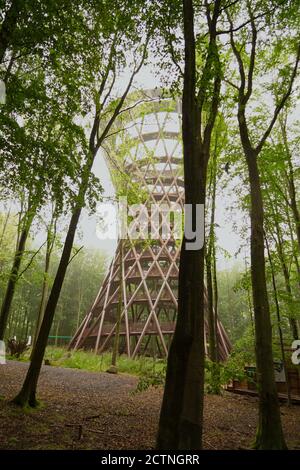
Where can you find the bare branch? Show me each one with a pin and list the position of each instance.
(75, 254)
(239, 61)
(109, 89)
(94, 131)
(119, 106)
(119, 130)
(173, 54)
(213, 113)
(174, 60)
(261, 15)
(212, 24)
(229, 5)
(31, 261)
(252, 58)
(231, 84)
(281, 103)
(124, 110)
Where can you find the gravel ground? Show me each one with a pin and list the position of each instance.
(86, 410)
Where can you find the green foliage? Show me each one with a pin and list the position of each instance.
(142, 367)
(217, 376)
(82, 282)
(234, 302)
(244, 346)
(152, 377)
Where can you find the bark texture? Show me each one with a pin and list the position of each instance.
(181, 417)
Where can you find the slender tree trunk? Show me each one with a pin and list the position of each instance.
(79, 308)
(269, 433)
(229, 301)
(27, 329)
(113, 368)
(291, 182)
(13, 278)
(209, 262)
(181, 417)
(288, 388)
(23, 327)
(295, 251)
(4, 227)
(212, 323)
(45, 287)
(216, 297)
(13, 332)
(294, 206)
(249, 301)
(210, 309)
(56, 332)
(286, 275)
(27, 395)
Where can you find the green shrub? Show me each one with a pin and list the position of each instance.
(88, 360)
(219, 375)
(153, 378)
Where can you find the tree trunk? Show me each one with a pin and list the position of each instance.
(295, 251)
(56, 332)
(13, 278)
(286, 275)
(209, 262)
(4, 227)
(288, 388)
(42, 306)
(249, 301)
(212, 285)
(80, 296)
(210, 309)
(216, 298)
(27, 395)
(294, 207)
(181, 417)
(9, 25)
(23, 326)
(115, 351)
(291, 182)
(45, 286)
(269, 433)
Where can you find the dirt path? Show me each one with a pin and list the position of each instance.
(112, 416)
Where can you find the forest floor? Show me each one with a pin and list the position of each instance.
(111, 416)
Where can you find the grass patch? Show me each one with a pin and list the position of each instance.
(87, 360)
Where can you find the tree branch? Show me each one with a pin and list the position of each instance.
(31, 261)
(281, 103)
(123, 97)
(261, 15)
(238, 57)
(231, 83)
(252, 58)
(75, 254)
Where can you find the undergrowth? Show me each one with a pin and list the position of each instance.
(151, 372)
(87, 360)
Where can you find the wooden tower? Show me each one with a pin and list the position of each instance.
(147, 273)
